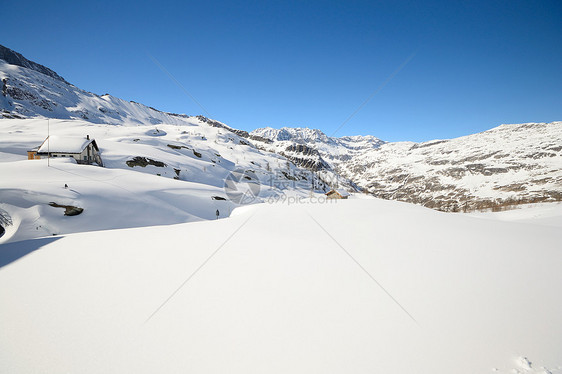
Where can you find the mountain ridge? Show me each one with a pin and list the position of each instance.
(14, 58)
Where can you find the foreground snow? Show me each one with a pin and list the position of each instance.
(549, 214)
(281, 295)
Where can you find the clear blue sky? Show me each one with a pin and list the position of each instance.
(476, 64)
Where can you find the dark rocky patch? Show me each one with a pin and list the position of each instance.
(5, 220)
(177, 146)
(428, 144)
(69, 210)
(288, 176)
(144, 161)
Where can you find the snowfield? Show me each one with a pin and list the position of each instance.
(354, 286)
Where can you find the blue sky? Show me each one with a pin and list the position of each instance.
(471, 65)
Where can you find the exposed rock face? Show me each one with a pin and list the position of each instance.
(144, 162)
(14, 58)
(311, 148)
(218, 124)
(305, 156)
(69, 210)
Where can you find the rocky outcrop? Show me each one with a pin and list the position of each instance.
(5, 221)
(4, 87)
(69, 210)
(144, 162)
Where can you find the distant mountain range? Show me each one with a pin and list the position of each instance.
(501, 167)
(498, 168)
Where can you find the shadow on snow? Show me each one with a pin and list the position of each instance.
(11, 252)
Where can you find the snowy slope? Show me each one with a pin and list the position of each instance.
(29, 92)
(111, 198)
(549, 214)
(280, 295)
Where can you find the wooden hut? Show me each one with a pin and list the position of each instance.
(338, 193)
(83, 150)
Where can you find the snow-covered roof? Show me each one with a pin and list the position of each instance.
(342, 192)
(339, 191)
(64, 144)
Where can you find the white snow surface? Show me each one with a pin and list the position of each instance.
(304, 288)
(549, 214)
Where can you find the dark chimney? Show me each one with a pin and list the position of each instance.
(88, 137)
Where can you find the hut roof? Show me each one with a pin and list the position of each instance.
(65, 144)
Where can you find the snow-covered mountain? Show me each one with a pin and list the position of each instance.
(312, 148)
(31, 90)
(504, 166)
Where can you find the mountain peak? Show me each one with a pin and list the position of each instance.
(14, 58)
(295, 134)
